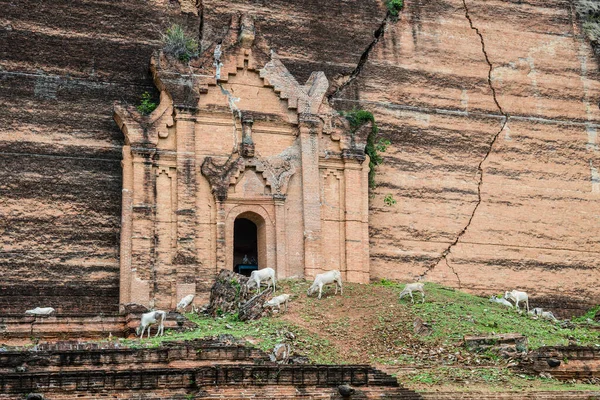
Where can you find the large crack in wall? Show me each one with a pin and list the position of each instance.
(444, 255)
(377, 36)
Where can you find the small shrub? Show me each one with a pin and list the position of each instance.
(387, 282)
(389, 200)
(589, 14)
(394, 7)
(146, 104)
(177, 44)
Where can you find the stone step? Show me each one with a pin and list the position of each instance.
(236, 392)
(189, 378)
(73, 356)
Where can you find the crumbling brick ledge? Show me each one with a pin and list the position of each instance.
(563, 362)
(201, 368)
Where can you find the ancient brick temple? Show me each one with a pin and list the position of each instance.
(238, 164)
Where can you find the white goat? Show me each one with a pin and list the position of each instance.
(151, 318)
(517, 297)
(549, 316)
(40, 311)
(326, 278)
(501, 300)
(265, 274)
(538, 311)
(278, 301)
(413, 287)
(185, 302)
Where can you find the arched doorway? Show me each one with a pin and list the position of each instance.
(240, 236)
(245, 246)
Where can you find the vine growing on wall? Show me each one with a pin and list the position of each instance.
(373, 149)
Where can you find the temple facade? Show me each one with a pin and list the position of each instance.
(239, 167)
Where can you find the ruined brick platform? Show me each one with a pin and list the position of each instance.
(564, 362)
(512, 342)
(203, 369)
(16, 328)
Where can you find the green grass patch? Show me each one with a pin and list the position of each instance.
(436, 376)
(492, 379)
(265, 333)
(388, 283)
(589, 316)
(454, 314)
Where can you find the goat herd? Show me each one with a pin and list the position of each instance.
(256, 278)
(267, 275)
(517, 297)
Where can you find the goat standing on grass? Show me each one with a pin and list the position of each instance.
(265, 274)
(517, 297)
(151, 318)
(278, 301)
(413, 287)
(326, 278)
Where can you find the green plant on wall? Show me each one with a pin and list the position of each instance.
(389, 200)
(358, 118)
(177, 44)
(146, 105)
(394, 7)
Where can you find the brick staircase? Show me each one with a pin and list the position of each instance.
(201, 369)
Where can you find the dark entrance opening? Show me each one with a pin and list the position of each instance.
(245, 246)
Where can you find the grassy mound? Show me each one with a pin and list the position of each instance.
(369, 324)
(455, 314)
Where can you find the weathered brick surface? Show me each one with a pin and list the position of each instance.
(427, 83)
(426, 80)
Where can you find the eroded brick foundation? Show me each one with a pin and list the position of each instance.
(201, 368)
(564, 362)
